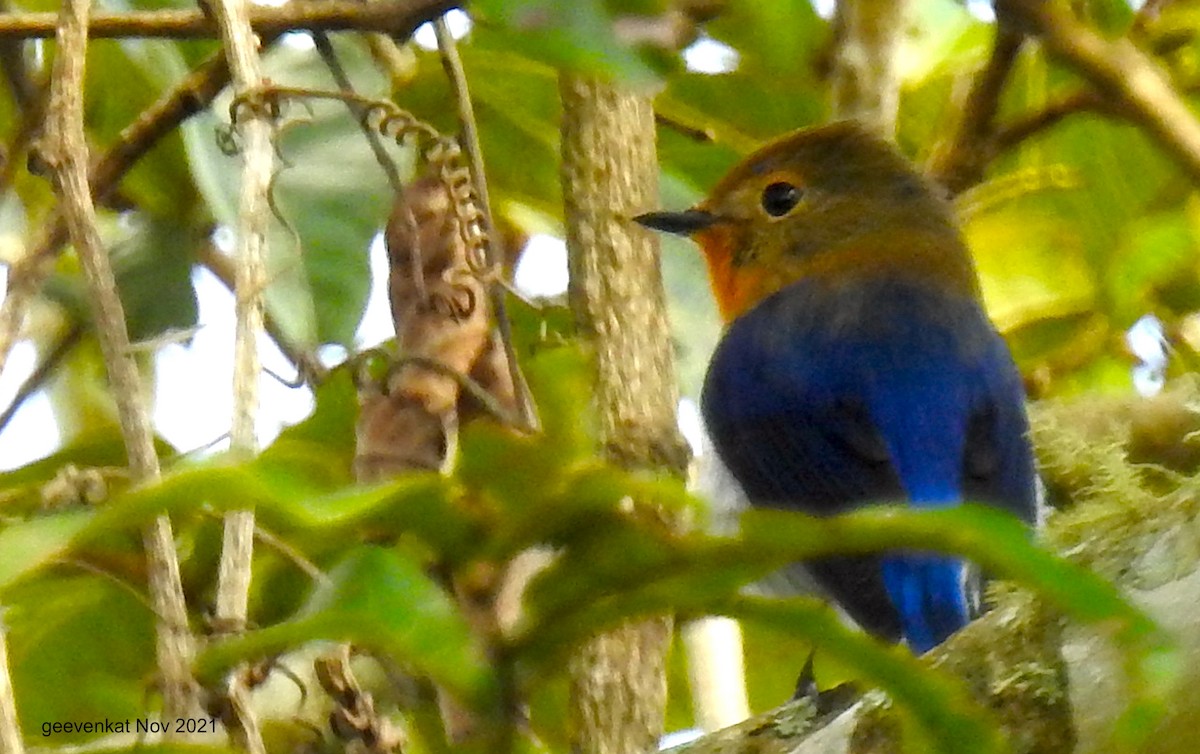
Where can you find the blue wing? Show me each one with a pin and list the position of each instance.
(827, 397)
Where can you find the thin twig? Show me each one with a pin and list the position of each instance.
(29, 95)
(69, 162)
(1020, 128)
(25, 91)
(37, 379)
(399, 17)
(1147, 15)
(10, 728)
(329, 55)
(112, 578)
(258, 158)
(702, 135)
(469, 140)
(306, 364)
(1010, 134)
(280, 545)
(277, 543)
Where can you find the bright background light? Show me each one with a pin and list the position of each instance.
(193, 396)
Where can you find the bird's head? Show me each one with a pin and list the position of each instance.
(833, 201)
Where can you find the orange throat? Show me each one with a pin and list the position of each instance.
(736, 289)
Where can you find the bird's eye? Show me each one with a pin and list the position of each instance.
(779, 198)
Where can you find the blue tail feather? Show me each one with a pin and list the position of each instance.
(929, 593)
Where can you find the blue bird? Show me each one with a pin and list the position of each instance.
(858, 365)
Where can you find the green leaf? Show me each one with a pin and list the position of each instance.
(425, 505)
(578, 36)
(154, 274)
(517, 467)
(774, 39)
(328, 189)
(623, 571)
(31, 544)
(384, 602)
(316, 455)
(84, 628)
(942, 706)
(123, 79)
(1032, 267)
(100, 448)
(1156, 252)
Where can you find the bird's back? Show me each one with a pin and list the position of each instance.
(829, 395)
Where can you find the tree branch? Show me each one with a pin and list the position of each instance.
(608, 174)
(959, 162)
(258, 157)
(68, 159)
(1019, 129)
(1120, 71)
(398, 17)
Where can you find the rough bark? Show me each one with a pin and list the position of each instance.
(609, 173)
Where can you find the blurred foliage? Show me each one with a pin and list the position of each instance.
(380, 547)
(1078, 231)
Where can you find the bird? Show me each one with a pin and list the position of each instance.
(857, 365)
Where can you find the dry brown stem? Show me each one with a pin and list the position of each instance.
(10, 729)
(67, 157)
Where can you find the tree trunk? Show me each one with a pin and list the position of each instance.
(610, 173)
(866, 83)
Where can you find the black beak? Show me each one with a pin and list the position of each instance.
(680, 223)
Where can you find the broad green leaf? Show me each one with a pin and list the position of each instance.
(317, 453)
(425, 505)
(520, 468)
(774, 39)
(1156, 252)
(123, 79)
(73, 625)
(420, 503)
(1031, 266)
(101, 448)
(517, 109)
(624, 571)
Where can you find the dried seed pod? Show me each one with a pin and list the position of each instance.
(439, 309)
